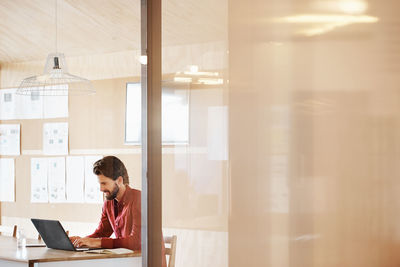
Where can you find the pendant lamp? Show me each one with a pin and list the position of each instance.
(55, 80)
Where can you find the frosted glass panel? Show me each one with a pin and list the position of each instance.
(293, 146)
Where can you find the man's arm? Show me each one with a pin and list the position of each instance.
(94, 240)
(86, 242)
(104, 229)
(133, 240)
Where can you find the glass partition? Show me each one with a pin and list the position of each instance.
(292, 150)
(196, 173)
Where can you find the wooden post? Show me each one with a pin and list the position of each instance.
(151, 133)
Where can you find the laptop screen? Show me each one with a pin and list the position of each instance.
(53, 234)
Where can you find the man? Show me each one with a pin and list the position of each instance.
(121, 213)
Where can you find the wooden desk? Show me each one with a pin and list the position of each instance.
(10, 256)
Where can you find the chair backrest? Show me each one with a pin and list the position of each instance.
(9, 230)
(171, 249)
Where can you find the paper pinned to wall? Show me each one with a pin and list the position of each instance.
(10, 139)
(92, 187)
(75, 179)
(55, 138)
(39, 192)
(30, 106)
(56, 106)
(7, 180)
(56, 179)
(8, 104)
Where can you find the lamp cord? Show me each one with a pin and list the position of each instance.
(56, 26)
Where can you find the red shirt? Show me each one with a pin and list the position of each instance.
(126, 224)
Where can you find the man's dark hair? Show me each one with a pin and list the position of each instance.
(111, 167)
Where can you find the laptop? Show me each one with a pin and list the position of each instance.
(54, 235)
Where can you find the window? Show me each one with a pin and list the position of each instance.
(175, 114)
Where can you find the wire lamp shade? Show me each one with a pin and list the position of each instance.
(54, 79)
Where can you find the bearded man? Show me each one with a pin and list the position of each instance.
(121, 213)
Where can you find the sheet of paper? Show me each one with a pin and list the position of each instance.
(39, 192)
(75, 182)
(110, 251)
(30, 106)
(55, 138)
(7, 180)
(10, 139)
(56, 179)
(92, 187)
(56, 106)
(8, 104)
(119, 250)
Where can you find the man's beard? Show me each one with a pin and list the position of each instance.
(114, 193)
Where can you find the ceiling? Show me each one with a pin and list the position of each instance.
(27, 27)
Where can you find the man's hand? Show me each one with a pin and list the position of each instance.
(86, 242)
(73, 238)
